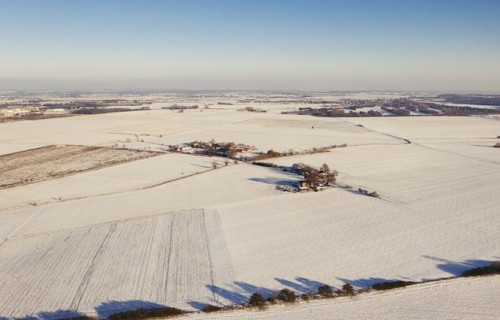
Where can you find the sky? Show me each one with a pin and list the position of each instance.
(438, 45)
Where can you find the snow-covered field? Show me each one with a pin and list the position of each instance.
(454, 299)
(153, 232)
(135, 175)
(50, 162)
(164, 259)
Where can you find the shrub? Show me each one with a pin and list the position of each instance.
(306, 297)
(347, 289)
(374, 194)
(325, 290)
(211, 308)
(286, 295)
(164, 312)
(272, 300)
(257, 300)
(494, 268)
(392, 285)
(370, 194)
(363, 191)
(497, 145)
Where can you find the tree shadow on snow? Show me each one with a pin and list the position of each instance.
(243, 290)
(302, 285)
(108, 308)
(198, 305)
(365, 282)
(251, 289)
(231, 296)
(458, 268)
(52, 315)
(275, 181)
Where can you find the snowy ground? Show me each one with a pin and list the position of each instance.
(452, 299)
(97, 242)
(164, 259)
(135, 175)
(51, 162)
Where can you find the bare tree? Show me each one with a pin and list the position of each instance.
(325, 168)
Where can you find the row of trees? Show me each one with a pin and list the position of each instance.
(288, 296)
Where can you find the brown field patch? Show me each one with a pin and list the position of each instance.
(55, 161)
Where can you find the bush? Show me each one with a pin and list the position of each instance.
(325, 291)
(347, 289)
(286, 295)
(370, 194)
(306, 297)
(497, 145)
(374, 194)
(164, 312)
(388, 285)
(257, 300)
(273, 300)
(494, 268)
(211, 308)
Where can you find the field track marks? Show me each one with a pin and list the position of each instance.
(169, 259)
(86, 278)
(222, 271)
(189, 263)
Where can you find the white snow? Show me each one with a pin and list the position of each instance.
(107, 239)
(473, 298)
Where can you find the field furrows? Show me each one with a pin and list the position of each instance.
(221, 266)
(50, 162)
(44, 272)
(188, 275)
(169, 259)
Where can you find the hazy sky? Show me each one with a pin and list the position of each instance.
(250, 44)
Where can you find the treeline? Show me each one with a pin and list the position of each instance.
(284, 296)
(333, 112)
(275, 154)
(397, 107)
(93, 104)
(487, 100)
(179, 107)
(101, 110)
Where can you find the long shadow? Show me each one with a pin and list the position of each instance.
(109, 308)
(251, 289)
(293, 285)
(104, 310)
(310, 285)
(197, 305)
(275, 181)
(232, 296)
(52, 315)
(458, 268)
(244, 290)
(364, 283)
